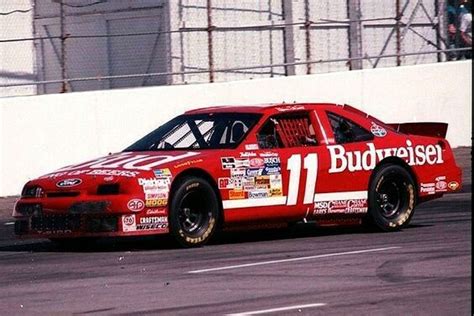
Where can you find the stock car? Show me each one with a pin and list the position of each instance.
(219, 167)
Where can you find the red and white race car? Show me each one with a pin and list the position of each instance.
(222, 166)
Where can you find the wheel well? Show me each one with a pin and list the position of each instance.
(199, 173)
(395, 161)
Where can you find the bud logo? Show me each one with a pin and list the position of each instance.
(135, 205)
(342, 160)
(377, 130)
(68, 183)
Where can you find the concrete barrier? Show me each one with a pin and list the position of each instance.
(39, 134)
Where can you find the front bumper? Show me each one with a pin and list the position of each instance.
(37, 218)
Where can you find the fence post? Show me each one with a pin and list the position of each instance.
(307, 26)
(63, 47)
(288, 37)
(355, 34)
(209, 41)
(398, 19)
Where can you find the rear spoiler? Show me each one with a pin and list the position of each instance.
(424, 129)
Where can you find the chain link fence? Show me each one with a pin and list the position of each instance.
(53, 46)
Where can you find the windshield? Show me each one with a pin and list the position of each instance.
(200, 131)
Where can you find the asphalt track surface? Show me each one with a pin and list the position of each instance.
(422, 270)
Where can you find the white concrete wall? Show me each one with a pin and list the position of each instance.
(17, 58)
(39, 134)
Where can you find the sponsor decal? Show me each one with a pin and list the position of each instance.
(248, 183)
(156, 202)
(97, 172)
(272, 161)
(153, 220)
(342, 160)
(67, 183)
(377, 130)
(156, 211)
(229, 183)
(112, 172)
(236, 194)
(156, 190)
(187, 163)
(247, 154)
(352, 206)
(241, 162)
(161, 183)
(232, 162)
(276, 192)
(251, 147)
(441, 185)
(153, 223)
(256, 163)
(129, 223)
(290, 108)
(258, 194)
(271, 170)
(252, 172)
(130, 161)
(223, 183)
(262, 181)
(158, 195)
(276, 182)
(237, 173)
(228, 162)
(162, 173)
(453, 185)
(428, 188)
(135, 205)
(268, 154)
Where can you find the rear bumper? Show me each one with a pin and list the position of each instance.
(439, 182)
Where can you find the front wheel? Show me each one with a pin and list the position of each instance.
(392, 198)
(194, 212)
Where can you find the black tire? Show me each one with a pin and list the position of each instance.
(194, 212)
(392, 198)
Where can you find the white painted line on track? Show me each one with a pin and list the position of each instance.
(335, 254)
(9, 223)
(279, 309)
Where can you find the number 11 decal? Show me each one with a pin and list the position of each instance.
(294, 167)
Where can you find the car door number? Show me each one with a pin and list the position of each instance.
(310, 163)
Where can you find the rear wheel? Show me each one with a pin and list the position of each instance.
(194, 212)
(392, 198)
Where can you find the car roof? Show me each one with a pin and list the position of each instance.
(262, 108)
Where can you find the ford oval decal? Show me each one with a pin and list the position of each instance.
(68, 183)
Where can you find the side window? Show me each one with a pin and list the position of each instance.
(346, 131)
(287, 130)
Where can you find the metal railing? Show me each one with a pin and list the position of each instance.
(63, 57)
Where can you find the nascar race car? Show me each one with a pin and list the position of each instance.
(222, 166)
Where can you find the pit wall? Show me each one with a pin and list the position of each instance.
(39, 134)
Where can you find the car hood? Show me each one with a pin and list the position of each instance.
(118, 167)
